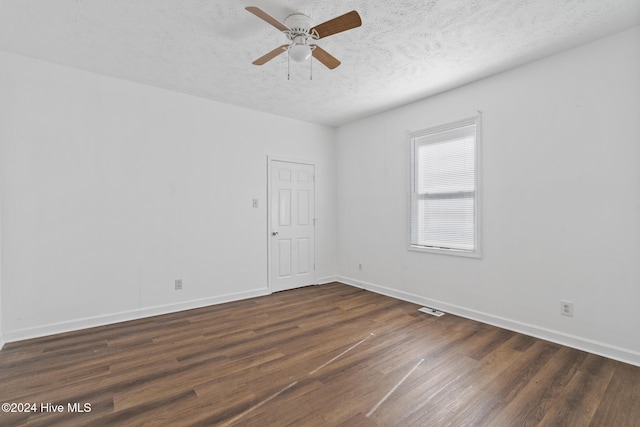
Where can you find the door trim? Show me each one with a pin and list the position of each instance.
(270, 160)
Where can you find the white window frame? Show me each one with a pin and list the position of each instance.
(412, 136)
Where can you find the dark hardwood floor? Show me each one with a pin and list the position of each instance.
(329, 355)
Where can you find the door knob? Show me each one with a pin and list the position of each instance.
(275, 233)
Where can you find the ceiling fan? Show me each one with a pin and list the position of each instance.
(302, 35)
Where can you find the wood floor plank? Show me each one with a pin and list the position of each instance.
(530, 405)
(464, 393)
(578, 401)
(621, 400)
(330, 355)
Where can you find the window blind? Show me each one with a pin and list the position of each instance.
(443, 193)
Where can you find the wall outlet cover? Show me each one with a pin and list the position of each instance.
(566, 308)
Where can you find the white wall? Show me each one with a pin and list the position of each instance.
(561, 204)
(111, 190)
(1, 328)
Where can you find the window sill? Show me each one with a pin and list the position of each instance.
(453, 252)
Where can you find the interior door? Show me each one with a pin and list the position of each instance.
(292, 255)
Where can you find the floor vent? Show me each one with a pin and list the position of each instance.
(431, 311)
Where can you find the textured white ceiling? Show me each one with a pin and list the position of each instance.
(404, 51)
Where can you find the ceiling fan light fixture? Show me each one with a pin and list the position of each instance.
(299, 52)
(300, 30)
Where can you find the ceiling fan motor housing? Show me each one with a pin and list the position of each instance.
(298, 23)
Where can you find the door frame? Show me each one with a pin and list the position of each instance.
(270, 160)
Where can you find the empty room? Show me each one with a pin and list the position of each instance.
(296, 213)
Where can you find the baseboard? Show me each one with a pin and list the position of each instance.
(1, 343)
(595, 347)
(108, 319)
(325, 280)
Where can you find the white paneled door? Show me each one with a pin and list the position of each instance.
(292, 261)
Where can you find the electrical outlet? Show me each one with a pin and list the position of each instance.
(255, 203)
(566, 308)
(178, 284)
(360, 267)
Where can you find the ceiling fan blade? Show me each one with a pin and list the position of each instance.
(269, 56)
(337, 25)
(267, 18)
(325, 57)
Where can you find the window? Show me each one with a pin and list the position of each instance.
(445, 190)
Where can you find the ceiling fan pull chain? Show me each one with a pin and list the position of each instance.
(311, 68)
(288, 66)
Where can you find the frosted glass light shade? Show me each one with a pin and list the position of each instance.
(299, 52)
